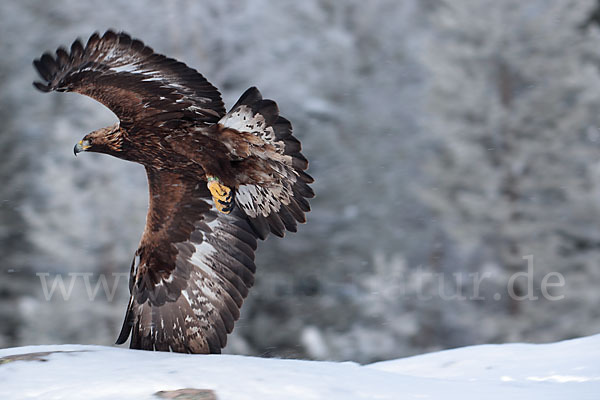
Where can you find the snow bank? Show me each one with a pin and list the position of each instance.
(564, 370)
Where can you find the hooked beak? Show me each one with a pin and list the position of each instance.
(82, 145)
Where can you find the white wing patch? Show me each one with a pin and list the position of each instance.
(263, 200)
(132, 66)
(243, 119)
(205, 252)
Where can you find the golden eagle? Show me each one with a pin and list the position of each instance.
(217, 181)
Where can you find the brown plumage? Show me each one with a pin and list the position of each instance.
(194, 264)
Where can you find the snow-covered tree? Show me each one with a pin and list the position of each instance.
(512, 109)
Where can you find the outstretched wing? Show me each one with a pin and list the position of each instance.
(277, 199)
(130, 79)
(191, 272)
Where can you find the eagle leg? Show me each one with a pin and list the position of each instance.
(222, 195)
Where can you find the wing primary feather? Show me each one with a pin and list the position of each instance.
(42, 69)
(41, 87)
(288, 220)
(260, 226)
(77, 52)
(62, 57)
(49, 63)
(296, 211)
(124, 39)
(275, 224)
(250, 96)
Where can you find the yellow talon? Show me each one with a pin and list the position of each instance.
(222, 195)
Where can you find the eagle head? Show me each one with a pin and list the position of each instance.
(107, 140)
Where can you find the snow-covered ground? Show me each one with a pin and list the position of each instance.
(564, 370)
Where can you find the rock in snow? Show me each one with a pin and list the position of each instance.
(564, 370)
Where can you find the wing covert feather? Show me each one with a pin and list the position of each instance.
(132, 80)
